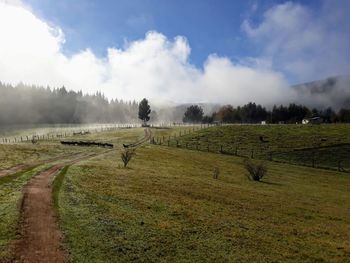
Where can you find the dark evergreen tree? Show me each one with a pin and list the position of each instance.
(144, 111)
(193, 114)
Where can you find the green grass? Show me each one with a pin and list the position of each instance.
(285, 143)
(14, 154)
(325, 157)
(11, 185)
(167, 208)
(56, 186)
(10, 196)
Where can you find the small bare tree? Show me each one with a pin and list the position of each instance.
(256, 171)
(126, 156)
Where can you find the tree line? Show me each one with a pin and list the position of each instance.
(23, 104)
(255, 113)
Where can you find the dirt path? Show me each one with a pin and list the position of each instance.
(40, 237)
(147, 136)
(14, 169)
(21, 167)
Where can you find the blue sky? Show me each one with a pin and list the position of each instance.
(181, 50)
(211, 26)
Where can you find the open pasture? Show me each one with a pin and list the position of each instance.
(166, 205)
(323, 146)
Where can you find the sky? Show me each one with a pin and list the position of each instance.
(218, 51)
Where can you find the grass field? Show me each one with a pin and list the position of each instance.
(320, 145)
(166, 206)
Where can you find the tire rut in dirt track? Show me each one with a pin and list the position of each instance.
(22, 167)
(14, 169)
(40, 237)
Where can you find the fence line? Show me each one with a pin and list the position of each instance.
(262, 153)
(68, 132)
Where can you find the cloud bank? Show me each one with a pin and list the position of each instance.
(155, 67)
(158, 68)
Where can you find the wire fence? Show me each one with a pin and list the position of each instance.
(54, 134)
(334, 157)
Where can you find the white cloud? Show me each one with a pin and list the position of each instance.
(304, 44)
(154, 67)
(224, 80)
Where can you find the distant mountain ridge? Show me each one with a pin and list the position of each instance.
(332, 91)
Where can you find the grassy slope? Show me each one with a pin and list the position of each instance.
(168, 207)
(286, 142)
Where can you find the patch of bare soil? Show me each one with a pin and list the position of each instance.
(14, 169)
(21, 167)
(39, 234)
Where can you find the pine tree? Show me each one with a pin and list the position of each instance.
(144, 111)
(193, 114)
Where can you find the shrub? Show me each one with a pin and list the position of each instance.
(127, 155)
(256, 171)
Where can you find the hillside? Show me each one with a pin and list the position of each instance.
(166, 206)
(310, 145)
(332, 91)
